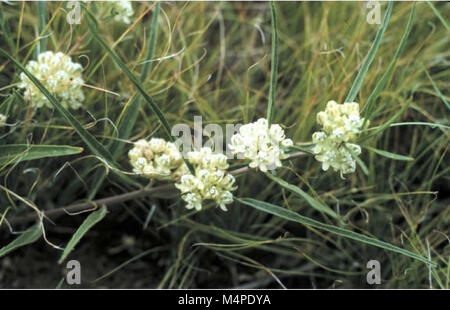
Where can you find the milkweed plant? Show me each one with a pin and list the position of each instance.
(202, 175)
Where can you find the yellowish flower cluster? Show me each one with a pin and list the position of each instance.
(341, 124)
(264, 146)
(59, 75)
(211, 180)
(157, 159)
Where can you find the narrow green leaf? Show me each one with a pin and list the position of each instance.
(368, 106)
(95, 146)
(370, 56)
(88, 223)
(388, 154)
(273, 64)
(311, 201)
(432, 125)
(378, 129)
(295, 217)
(28, 237)
(13, 153)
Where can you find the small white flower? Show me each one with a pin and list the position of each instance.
(341, 124)
(193, 201)
(2, 120)
(263, 146)
(210, 180)
(157, 159)
(59, 75)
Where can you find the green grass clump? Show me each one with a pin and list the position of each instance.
(218, 60)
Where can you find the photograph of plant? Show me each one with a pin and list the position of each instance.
(214, 145)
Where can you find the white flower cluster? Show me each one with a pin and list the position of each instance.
(264, 146)
(211, 180)
(2, 120)
(157, 159)
(59, 75)
(341, 124)
(121, 10)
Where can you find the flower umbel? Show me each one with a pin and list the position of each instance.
(59, 75)
(157, 159)
(341, 124)
(211, 180)
(265, 147)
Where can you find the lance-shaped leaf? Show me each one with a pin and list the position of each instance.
(388, 154)
(311, 201)
(13, 153)
(295, 217)
(30, 236)
(88, 223)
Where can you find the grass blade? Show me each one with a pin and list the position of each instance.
(22, 152)
(388, 154)
(273, 64)
(370, 56)
(88, 223)
(368, 106)
(30, 236)
(432, 125)
(311, 201)
(95, 146)
(292, 216)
